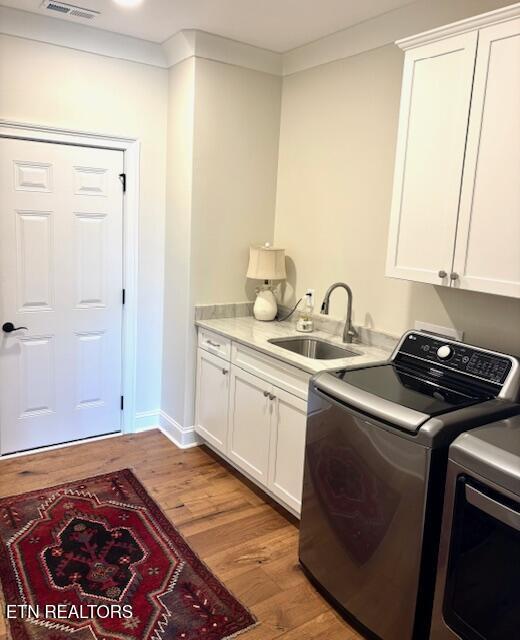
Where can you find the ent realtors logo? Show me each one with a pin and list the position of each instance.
(67, 611)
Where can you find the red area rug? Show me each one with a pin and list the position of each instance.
(97, 559)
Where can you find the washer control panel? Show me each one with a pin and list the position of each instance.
(458, 357)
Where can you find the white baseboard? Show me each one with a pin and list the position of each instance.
(146, 420)
(182, 437)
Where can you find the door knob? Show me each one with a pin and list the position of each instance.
(454, 276)
(442, 273)
(8, 327)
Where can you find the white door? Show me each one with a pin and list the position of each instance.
(287, 451)
(249, 423)
(435, 102)
(61, 277)
(487, 254)
(212, 401)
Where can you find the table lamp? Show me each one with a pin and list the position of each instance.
(266, 263)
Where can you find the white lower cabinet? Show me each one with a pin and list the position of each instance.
(212, 399)
(250, 423)
(288, 424)
(257, 426)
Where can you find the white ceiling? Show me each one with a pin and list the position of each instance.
(278, 25)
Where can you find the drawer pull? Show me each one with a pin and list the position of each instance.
(213, 344)
(225, 371)
(272, 397)
(266, 394)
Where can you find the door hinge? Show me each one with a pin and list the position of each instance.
(122, 177)
(123, 296)
(122, 403)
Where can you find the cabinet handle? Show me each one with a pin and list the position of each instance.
(271, 396)
(213, 344)
(454, 276)
(266, 394)
(225, 371)
(442, 273)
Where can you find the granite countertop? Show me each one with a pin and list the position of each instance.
(255, 334)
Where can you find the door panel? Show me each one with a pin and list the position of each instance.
(91, 265)
(436, 97)
(249, 423)
(61, 220)
(90, 347)
(212, 399)
(487, 254)
(32, 176)
(36, 382)
(34, 260)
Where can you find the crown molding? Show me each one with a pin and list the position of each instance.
(192, 42)
(462, 26)
(178, 47)
(32, 26)
(213, 47)
(185, 44)
(401, 25)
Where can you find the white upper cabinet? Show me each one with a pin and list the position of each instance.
(435, 104)
(455, 217)
(487, 251)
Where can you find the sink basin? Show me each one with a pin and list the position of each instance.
(314, 348)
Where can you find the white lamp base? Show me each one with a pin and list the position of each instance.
(265, 308)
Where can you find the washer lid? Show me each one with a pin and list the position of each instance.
(493, 452)
(406, 388)
(390, 412)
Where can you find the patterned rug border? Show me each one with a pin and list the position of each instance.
(202, 569)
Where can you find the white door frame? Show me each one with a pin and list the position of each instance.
(131, 148)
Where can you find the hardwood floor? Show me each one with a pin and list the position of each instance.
(247, 543)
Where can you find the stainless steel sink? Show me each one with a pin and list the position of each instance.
(314, 348)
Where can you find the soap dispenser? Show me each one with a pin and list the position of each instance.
(305, 323)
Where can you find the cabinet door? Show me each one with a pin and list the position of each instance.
(249, 423)
(435, 102)
(212, 399)
(487, 253)
(287, 451)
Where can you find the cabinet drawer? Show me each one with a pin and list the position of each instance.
(278, 373)
(214, 343)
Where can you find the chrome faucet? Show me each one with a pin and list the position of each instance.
(348, 332)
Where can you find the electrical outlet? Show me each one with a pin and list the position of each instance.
(311, 291)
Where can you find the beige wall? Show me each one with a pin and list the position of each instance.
(223, 126)
(335, 170)
(50, 85)
(237, 122)
(177, 299)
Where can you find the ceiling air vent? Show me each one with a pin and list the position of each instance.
(65, 9)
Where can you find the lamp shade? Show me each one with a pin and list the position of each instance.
(266, 263)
